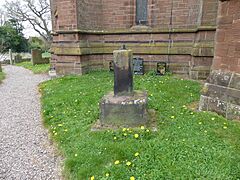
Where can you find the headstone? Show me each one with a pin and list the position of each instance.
(123, 107)
(123, 77)
(37, 57)
(18, 58)
(161, 68)
(138, 67)
(10, 56)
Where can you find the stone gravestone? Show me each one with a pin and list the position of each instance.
(37, 57)
(123, 107)
(161, 68)
(17, 58)
(138, 67)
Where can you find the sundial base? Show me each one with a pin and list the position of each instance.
(128, 111)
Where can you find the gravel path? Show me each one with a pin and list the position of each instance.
(25, 150)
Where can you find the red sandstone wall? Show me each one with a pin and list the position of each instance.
(117, 14)
(89, 14)
(185, 13)
(209, 12)
(111, 15)
(64, 14)
(227, 51)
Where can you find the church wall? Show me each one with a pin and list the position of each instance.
(104, 25)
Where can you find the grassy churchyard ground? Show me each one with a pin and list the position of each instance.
(36, 69)
(187, 144)
(2, 76)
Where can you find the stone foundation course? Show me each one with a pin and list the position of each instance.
(221, 94)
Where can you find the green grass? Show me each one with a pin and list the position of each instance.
(46, 55)
(2, 76)
(187, 145)
(36, 69)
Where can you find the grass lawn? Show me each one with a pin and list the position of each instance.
(2, 76)
(187, 145)
(36, 69)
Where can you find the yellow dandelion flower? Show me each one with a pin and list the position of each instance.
(55, 134)
(60, 125)
(115, 138)
(128, 129)
(136, 154)
(205, 131)
(172, 117)
(117, 162)
(107, 174)
(125, 134)
(132, 178)
(66, 130)
(142, 127)
(128, 163)
(92, 178)
(147, 130)
(213, 119)
(75, 155)
(200, 123)
(136, 135)
(225, 127)
(124, 129)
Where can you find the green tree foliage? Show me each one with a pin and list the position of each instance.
(11, 37)
(38, 43)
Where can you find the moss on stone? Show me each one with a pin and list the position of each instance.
(149, 30)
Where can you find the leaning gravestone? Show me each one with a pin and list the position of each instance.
(37, 57)
(123, 107)
(17, 58)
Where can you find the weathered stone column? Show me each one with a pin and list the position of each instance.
(123, 75)
(221, 93)
(123, 107)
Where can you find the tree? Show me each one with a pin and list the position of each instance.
(11, 37)
(3, 17)
(35, 12)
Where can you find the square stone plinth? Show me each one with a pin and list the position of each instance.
(124, 110)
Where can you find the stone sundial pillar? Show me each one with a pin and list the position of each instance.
(123, 75)
(123, 106)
